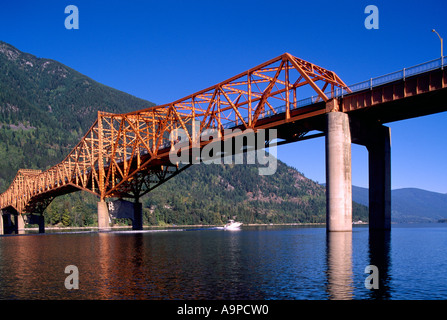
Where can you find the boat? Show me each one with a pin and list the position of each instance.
(232, 225)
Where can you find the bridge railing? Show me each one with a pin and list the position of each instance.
(394, 76)
(364, 85)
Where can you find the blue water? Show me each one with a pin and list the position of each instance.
(285, 263)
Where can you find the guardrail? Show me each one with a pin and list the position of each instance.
(439, 63)
(394, 76)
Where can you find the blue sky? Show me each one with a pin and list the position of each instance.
(165, 50)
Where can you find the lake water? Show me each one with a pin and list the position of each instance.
(272, 262)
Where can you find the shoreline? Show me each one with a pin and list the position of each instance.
(188, 226)
(95, 228)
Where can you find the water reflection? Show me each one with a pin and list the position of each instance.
(379, 256)
(339, 265)
(340, 274)
(161, 266)
(258, 263)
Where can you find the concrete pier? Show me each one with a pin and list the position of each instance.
(103, 216)
(137, 222)
(41, 223)
(379, 153)
(338, 173)
(377, 139)
(38, 219)
(19, 224)
(8, 226)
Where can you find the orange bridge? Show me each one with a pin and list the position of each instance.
(128, 155)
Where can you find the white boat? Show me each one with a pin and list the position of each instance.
(232, 225)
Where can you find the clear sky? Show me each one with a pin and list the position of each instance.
(165, 50)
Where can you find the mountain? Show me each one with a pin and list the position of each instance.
(223, 191)
(46, 107)
(212, 194)
(410, 204)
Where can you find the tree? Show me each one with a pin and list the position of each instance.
(66, 218)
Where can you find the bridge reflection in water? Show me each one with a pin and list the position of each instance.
(257, 263)
(340, 274)
(339, 265)
(380, 256)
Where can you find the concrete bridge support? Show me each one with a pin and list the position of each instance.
(8, 226)
(377, 139)
(41, 223)
(338, 173)
(379, 153)
(103, 216)
(120, 209)
(137, 222)
(19, 224)
(39, 219)
(341, 130)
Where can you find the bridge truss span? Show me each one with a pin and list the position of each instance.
(126, 155)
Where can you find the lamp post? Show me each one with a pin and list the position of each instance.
(442, 55)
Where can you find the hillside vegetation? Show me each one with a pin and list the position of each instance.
(45, 109)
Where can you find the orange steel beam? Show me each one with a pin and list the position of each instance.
(126, 155)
